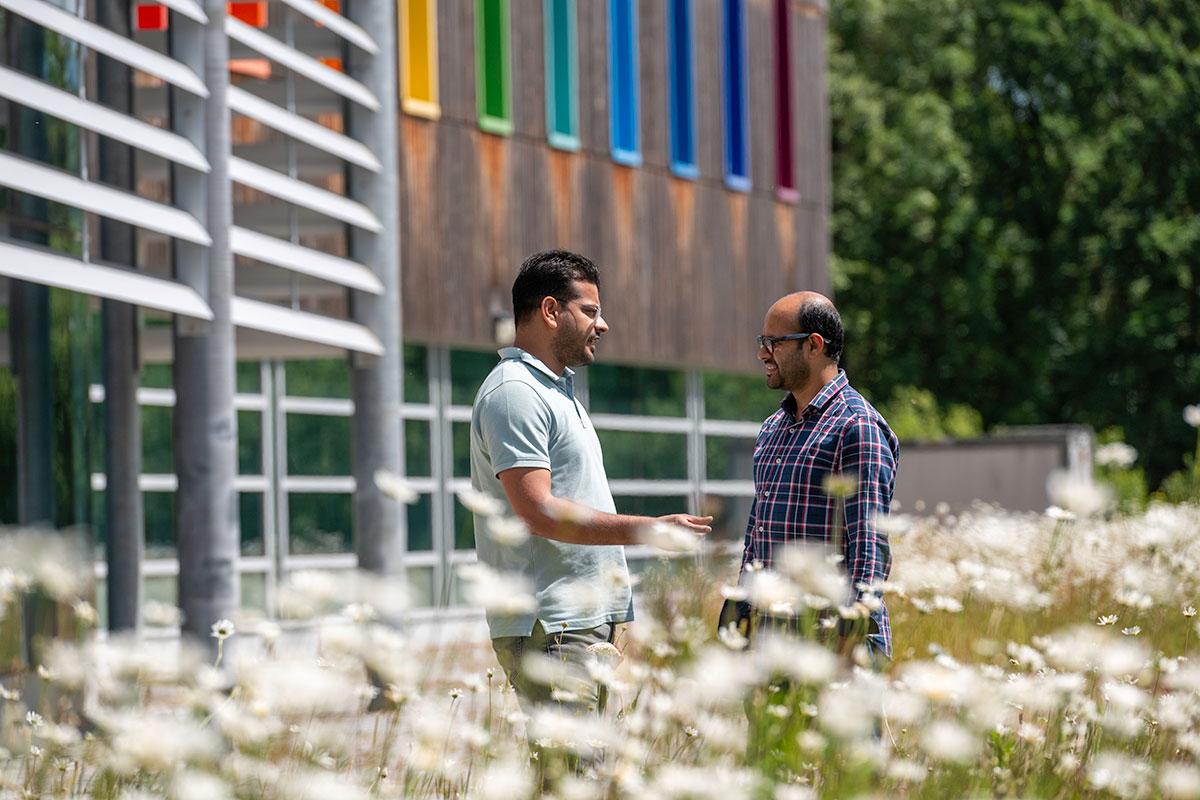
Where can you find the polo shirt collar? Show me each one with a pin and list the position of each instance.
(820, 401)
(518, 354)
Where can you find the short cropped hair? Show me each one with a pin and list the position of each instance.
(551, 273)
(820, 316)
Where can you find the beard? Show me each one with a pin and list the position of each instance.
(571, 348)
(790, 377)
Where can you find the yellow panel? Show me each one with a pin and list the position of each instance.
(418, 58)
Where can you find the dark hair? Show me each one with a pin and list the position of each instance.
(551, 273)
(820, 316)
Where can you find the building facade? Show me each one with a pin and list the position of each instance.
(681, 144)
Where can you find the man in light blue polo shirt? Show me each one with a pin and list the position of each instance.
(533, 445)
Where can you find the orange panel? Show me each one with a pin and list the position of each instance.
(254, 14)
(333, 63)
(251, 67)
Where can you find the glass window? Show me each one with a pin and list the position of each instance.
(623, 82)
(161, 589)
(630, 455)
(416, 373)
(158, 509)
(250, 461)
(156, 376)
(562, 75)
(785, 167)
(250, 516)
(318, 445)
(636, 390)
(464, 527)
(493, 91)
(468, 368)
(320, 523)
(729, 517)
(460, 436)
(733, 73)
(419, 58)
(739, 397)
(417, 444)
(651, 505)
(254, 591)
(420, 524)
(249, 377)
(681, 95)
(728, 458)
(318, 377)
(420, 586)
(158, 446)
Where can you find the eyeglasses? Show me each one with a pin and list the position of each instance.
(768, 342)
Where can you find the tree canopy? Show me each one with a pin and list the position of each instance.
(1015, 208)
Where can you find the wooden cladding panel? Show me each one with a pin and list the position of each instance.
(688, 267)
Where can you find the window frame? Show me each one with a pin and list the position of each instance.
(501, 125)
(429, 108)
(555, 134)
(626, 114)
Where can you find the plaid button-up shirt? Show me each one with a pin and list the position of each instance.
(839, 432)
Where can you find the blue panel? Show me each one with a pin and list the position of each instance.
(623, 77)
(737, 128)
(682, 92)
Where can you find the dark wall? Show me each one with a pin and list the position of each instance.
(688, 266)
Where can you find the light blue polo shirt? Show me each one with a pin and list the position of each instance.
(526, 416)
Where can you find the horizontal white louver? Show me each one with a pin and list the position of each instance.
(305, 260)
(320, 13)
(270, 318)
(298, 62)
(303, 194)
(301, 129)
(110, 44)
(52, 184)
(189, 8)
(25, 263)
(40, 96)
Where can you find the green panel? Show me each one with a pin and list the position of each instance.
(318, 445)
(320, 523)
(562, 85)
(420, 524)
(739, 397)
(653, 456)
(159, 513)
(468, 368)
(416, 374)
(417, 445)
(637, 390)
(728, 458)
(250, 460)
(157, 440)
(250, 515)
(157, 376)
(318, 377)
(249, 377)
(492, 66)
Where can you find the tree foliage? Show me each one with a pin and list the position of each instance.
(1015, 208)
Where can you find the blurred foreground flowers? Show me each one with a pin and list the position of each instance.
(1012, 678)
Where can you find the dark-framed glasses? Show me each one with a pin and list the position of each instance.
(768, 342)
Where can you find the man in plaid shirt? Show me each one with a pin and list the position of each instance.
(823, 427)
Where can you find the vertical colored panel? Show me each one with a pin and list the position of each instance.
(150, 17)
(562, 74)
(785, 164)
(419, 54)
(681, 88)
(493, 74)
(737, 128)
(623, 77)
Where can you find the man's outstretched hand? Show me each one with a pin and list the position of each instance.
(697, 525)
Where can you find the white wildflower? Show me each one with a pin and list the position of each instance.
(668, 537)
(222, 629)
(161, 614)
(1056, 513)
(1179, 781)
(498, 592)
(1131, 631)
(194, 785)
(1116, 454)
(33, 719)
(1189, 611)
(85, 612)
(503, 779)
(508, 531)
(480, 503)
(949, 742)
(773, 593)
(732, 638)
(1110, 619)
(1191, 415)
(395, 487)
(1081, 496)
(904, 771)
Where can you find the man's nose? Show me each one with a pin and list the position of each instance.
(601, 325)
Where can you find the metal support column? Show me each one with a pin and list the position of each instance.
(124, 545)
(30, 334)
(380, 530)
(206, 503)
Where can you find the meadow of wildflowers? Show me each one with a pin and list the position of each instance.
(1037, 655)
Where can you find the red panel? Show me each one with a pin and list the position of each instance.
(254, 14)
(150, 17)
(333, 5)
(333, 63)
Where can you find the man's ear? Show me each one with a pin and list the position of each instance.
(817, 342)
(549, 311)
